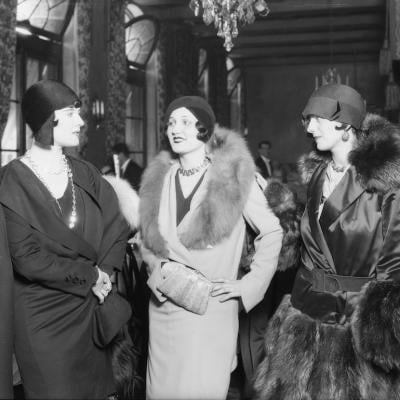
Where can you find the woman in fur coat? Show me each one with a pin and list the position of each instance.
(337, 336)
(194, 201)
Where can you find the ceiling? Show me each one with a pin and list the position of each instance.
(295, 31)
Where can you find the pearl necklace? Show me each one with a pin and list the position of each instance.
(35, 168)
(194, 170)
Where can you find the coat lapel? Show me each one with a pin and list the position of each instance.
(346, 192)
(26, 192)
(315, 194)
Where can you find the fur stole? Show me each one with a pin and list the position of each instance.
(376, 157)
(128, 200)
(231, 175)
(283, 204)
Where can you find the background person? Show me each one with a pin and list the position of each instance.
(263, 161)
(129, 170)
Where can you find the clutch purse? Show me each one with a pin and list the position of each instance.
(186, 287)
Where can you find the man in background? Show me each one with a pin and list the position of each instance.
(129, 170)
(263, 161)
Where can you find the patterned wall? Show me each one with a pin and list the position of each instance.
(116, 85)
(84, 13)
(8, 39)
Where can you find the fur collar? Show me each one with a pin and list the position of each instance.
(376, 156)
(231, 174)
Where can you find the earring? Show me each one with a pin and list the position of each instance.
(345, 136)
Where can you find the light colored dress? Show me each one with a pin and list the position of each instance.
(191, 356)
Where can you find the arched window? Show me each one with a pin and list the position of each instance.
(40, 28)
(141, 34)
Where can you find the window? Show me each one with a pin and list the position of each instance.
(141, 34)
(40, 26)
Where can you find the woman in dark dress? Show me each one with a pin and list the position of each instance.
(337, 336)
(67, 240)
(6, 312)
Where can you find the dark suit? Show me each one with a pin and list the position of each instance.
(133, 174)
(262, 168)
(53, 275)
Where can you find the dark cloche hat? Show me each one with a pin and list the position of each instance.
(198, 106)
(39, 103)
(337, 103)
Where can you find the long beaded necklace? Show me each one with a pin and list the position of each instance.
(35, 168)
(194, 170)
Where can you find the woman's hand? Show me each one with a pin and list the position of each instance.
(102, 286)
(226, 289)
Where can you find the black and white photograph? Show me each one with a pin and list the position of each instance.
(199, 199)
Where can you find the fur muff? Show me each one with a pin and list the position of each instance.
(377, 155)
(307, 360)
(231, 175)
(282, 202)
(128, 200)
(376, 324)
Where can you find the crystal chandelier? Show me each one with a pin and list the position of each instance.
(330, 76)
(229, 15)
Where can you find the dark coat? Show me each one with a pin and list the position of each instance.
(337, 337)
(252, 325)
(262, 168)
(54, 272)
(6, 312)
(133, 174)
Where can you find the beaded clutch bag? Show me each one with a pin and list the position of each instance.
(186, 287)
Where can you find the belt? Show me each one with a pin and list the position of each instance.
(325, 282)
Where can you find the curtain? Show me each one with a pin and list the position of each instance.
(394, 31)
(177, 67)
(219, 99)
(8, 40)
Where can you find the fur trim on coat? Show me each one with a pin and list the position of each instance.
(127, 198)
(308, 360)
(282, 202)
(231, 175)
(376, 156)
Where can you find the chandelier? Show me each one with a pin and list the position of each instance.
(229, 15)
(330, 76)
